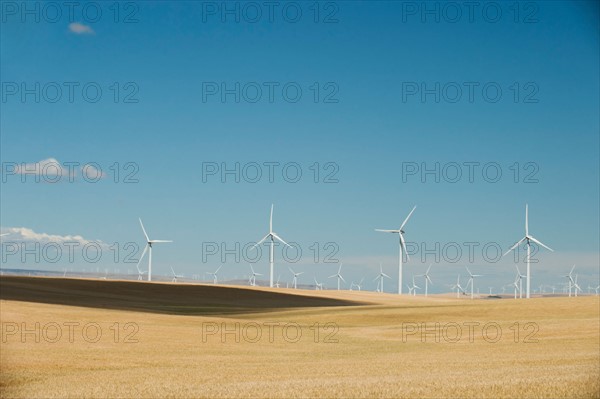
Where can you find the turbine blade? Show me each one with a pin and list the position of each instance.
(261, 241)
(540, 243)
(342, 278)
(142, 257)
(155, 241)
(280, 239)
(408, 217)
(514, 246)
(388, 231)
(144, 230)
(385, 275)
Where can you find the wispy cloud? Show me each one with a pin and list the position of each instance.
(27, 234)
(80, 29)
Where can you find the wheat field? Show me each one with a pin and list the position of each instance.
(219, 342)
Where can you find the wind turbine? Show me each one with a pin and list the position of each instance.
(140, 272)
(472, 280)
(175, 276)
(427, 279)
(570, 279)
(295, 281)
(401, 246)
(214, 274)
(359, 285)
(318, 286)
(576, 286)
(380, 276)
(458, 287)
(414, 287)
(149, 244)
(339, 277)
(277, 283)
(272, 236)
(527, 239)
(252, 280)
(520, 278)
(514, 284)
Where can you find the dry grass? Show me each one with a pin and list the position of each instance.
(370, 358)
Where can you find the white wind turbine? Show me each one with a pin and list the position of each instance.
(472, 280)
(140, 272)
(520, 277)
(414, 287)
(380, 276)
(214, 274)
(570, 279)
(339, 277)
(514, 284)
(175, 276)
(252, 280)
(277, 283)
(272, 236)
(295, 281)
(427, 279)
(401, 246)
(359, 285)
(149, 244)
(527, 239)
(318, 286)
(576, 286)
(458, 287)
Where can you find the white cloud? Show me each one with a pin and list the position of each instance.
(80, 29)
(26, 234)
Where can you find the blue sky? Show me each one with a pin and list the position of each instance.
(368, 59)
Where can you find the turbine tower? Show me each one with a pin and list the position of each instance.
(149, 244)
(570, 279)
(272, 236)
(528, 239)
(401, 246)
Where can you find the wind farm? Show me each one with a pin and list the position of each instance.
(300, 199)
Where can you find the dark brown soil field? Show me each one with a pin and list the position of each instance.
(182, 299)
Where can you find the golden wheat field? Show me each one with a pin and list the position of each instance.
(130, 339)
